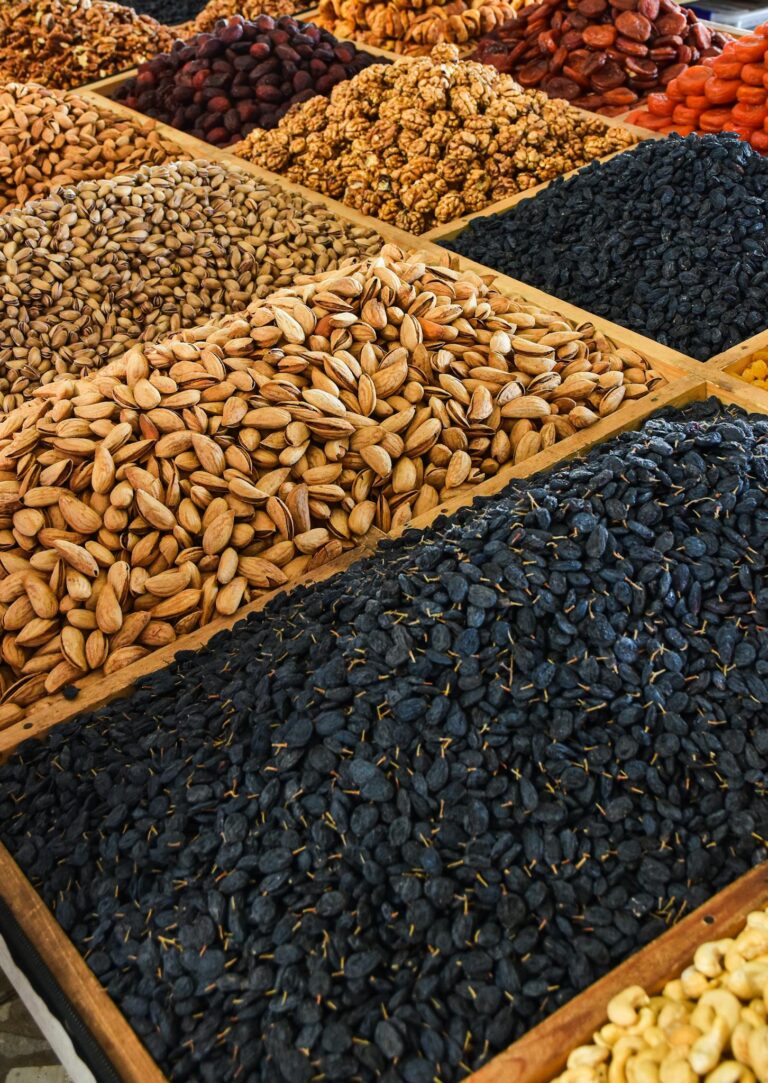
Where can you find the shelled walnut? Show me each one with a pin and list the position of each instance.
(426, 140)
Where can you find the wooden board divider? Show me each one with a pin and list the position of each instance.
(540, 1053)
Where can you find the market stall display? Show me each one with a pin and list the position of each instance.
(667, 240)
(427, 801)
(187, 241)
(67, 43)
(244, 74)
(50, 138)
(598, 54)
(426, 140)
(412, 26)
(728, 94)
(189, 474)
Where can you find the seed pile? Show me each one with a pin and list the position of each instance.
(383, 828)
(756, 371)
(50, 138)
(189, 475)
(90, 270)
(669, 240)
(600, 54)
(249, 9)
(244, 74)
(430, 139)
(728, 94)
(413, 26)
(710, 1022)
(66, 43)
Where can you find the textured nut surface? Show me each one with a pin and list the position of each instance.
(426, 140)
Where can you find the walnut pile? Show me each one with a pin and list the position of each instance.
(67, 43)
(414, 26)
(426, 140)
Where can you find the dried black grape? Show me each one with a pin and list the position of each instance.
(516, 775)
(669, 239)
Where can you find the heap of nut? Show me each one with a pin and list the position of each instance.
(187, 476)
(90, 270)
(53, 137)
(709, 1024)
(600, 54)
(66, 43)
(413, 26)
(426, 140)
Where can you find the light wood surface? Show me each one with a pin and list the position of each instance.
(105, 1021)
(542, 1053)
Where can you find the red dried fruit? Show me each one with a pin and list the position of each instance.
(532, 74)
(561, 87)
(609, 76)
(633, 25)
(599, 37)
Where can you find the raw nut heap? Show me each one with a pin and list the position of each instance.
(244, 74)
(727, 93)
(413, 27)
(53, 137)
(710, 1023)
(249, 9)
(426, 140)
(66, 43)
(602, 55)
(188, 476)
(90, 270)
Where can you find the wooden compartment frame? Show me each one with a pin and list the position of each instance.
(541, 1053)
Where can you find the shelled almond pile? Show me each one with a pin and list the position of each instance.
(187, 476)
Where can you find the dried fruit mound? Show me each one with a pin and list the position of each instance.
(600, 54)
(92, 269)
(756, 371)
(249, 9)
(727, 93)
(426, 140)
(186, 477)
(244, 74)
(669, 240)
(66, 43)
(52, 137)
(414, 26)
(383, 828)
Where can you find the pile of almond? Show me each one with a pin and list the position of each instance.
(188, 476)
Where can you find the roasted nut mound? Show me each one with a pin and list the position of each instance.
(426, 140)
(53, 137)
(243, 75)
(708, 1023)
(249, 9)
(90, 270)
(411, 26)
(600, 54)
(189, 475)
(66, 43)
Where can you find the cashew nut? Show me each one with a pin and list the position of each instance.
(706, 1050)
(622, 1010)
(677, 1071)
(694, 982)
(587, 1056)
(730, 1072)
(724, 1004)
(748, 981)
(758, 1053)
(709, 957)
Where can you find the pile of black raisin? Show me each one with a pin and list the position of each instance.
(668, 239)
(384, 827)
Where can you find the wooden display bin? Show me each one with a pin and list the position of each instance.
(541, 1053)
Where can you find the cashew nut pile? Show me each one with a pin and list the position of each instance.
(707, 1025)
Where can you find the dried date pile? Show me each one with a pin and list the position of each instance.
(669, 240)
(51, 137)
(186, 477)
(249, 9)
(243, 74)
(430, 139)
(66, 43)
(600, 54)
(94, 268)
(385, 826)
(413, 27)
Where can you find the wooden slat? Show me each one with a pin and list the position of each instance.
(735, 359)
(106, 1022)
(542, 1053)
